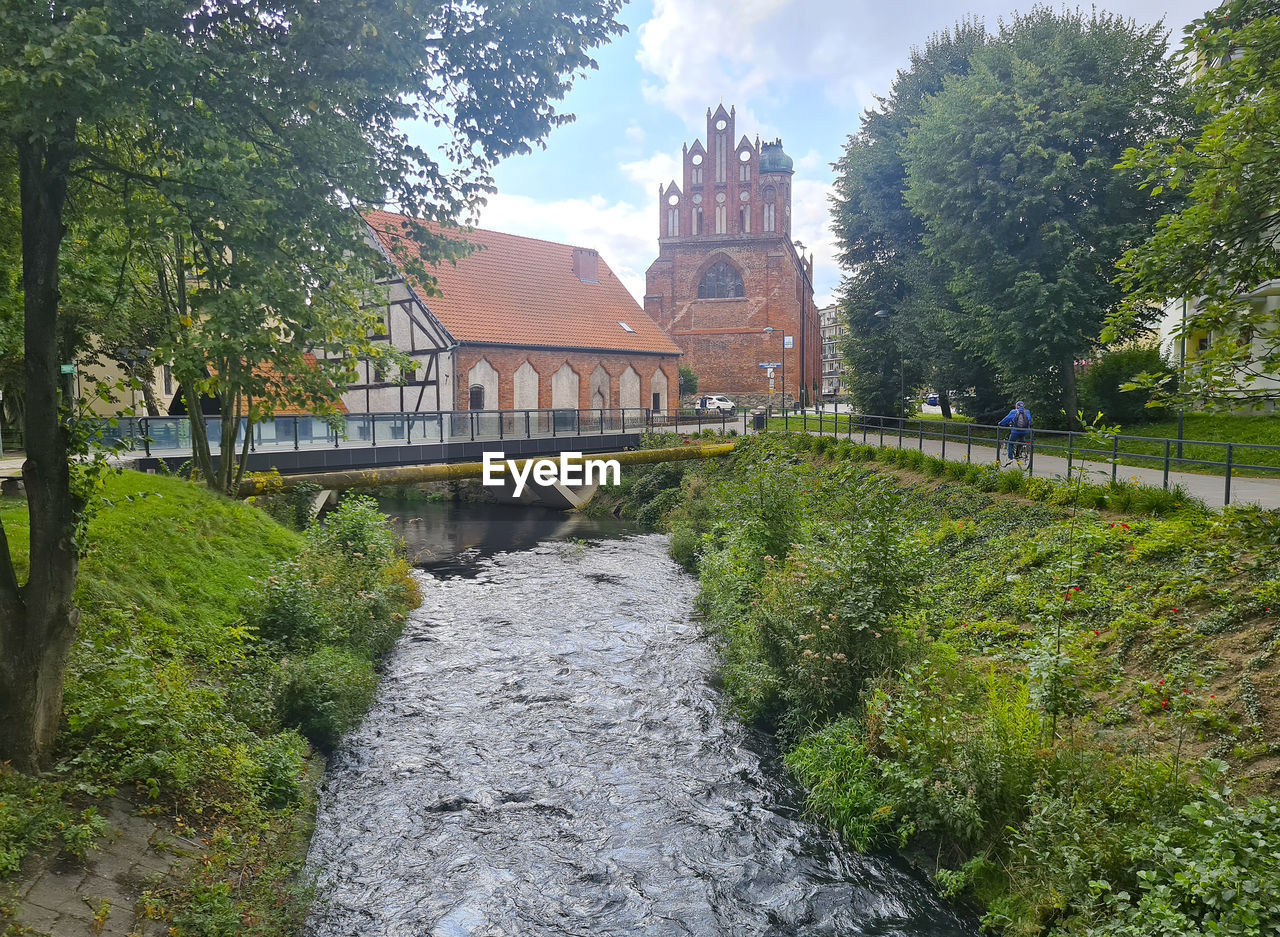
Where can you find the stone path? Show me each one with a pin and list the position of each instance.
(61, 898)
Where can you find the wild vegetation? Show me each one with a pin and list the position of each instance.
(217, 650)
(1055, 696)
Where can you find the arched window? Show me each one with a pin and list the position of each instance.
(770, 219)
(721, 282)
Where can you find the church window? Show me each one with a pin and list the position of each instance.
(697, 221)
(721, 282)
(770, 219)
(673, 222)
(744, 220)
(722, 219)
(721, 146)
(695, 174)
(744, 166)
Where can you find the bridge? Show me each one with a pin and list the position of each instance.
(369, 450)
(294, 445)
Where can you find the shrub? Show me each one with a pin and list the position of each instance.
(358, 530)
(1100, 384)
(933, 466)
(1012, 481)
(286, 611)
(325, 694)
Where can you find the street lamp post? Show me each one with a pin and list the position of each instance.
(768, 329)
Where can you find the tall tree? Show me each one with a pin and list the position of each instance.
(1011, 170)
(325, 87)
(1222, 244)
(880, 243)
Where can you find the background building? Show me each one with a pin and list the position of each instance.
(727, 268)
(833, 328)
(520, 324)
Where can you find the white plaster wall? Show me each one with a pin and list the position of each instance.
(484, 374)
(564, 388)
(629, 388)
(526, 387)
(599, 388)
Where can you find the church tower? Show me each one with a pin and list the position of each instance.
(727, 269)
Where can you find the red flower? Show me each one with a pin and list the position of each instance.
(1096, 633)
(1161, 683)
(1173, 609)
(1210, 696)
(1164, 705)
(1125, 526)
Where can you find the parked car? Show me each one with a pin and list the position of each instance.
(715, 403)
(931, 400)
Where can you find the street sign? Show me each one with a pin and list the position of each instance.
(770, 373)
(788, 341)
(770, 365)
(68, 369)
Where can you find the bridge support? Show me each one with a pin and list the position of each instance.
(560, 497)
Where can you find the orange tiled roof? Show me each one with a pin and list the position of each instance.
(523, 291)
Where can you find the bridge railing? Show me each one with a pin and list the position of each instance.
(159, 434)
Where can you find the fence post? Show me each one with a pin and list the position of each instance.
(146, 435)
(295, 432)
(902, 423)
(881, 422)
(1226, 496)
(1071, 440)
(944, 439)
(373, 429)
(440, 421)
(1166, 465)
(1031, 452)
(1115, 457)
(968, 443)
(920, 445)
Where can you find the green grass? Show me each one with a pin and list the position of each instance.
(174, 688)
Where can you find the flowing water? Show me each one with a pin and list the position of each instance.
(548, 755)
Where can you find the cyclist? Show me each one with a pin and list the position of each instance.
(1019, 421)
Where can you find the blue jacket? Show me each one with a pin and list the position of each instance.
(1008, 420)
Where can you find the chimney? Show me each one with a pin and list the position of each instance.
(586, 265)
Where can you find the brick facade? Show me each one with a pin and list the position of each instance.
(507, 361)
(734, 208)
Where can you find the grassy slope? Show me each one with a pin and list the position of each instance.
(162, 589)
(1149, 608)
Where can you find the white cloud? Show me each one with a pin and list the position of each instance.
(811, 225)
(655, 170)
(625, 236)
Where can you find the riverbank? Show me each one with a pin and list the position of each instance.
(1062, 712)
(218, 653)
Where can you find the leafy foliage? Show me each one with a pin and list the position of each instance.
(1220, 245)
(1010, 170)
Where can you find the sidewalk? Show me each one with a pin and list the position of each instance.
(1264, 492)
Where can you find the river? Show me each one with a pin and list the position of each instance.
(548, 755)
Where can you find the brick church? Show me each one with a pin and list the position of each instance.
(727, 269)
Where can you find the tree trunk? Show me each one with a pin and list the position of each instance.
(38, 621)
(945, 403)
(148, 394)
(1069, 401)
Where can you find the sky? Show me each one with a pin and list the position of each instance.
(802, 70)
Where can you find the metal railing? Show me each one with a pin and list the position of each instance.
(1072, 445)
(153, 435)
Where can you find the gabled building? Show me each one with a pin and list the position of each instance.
(727, 268)
(519, 324)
